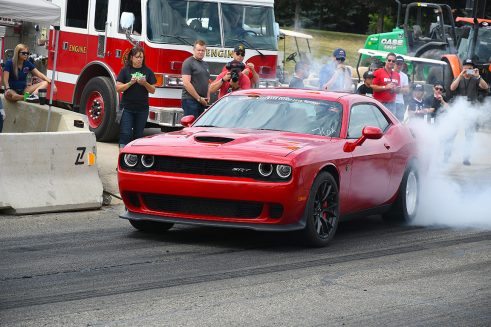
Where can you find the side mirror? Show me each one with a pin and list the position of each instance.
(368, 133)
(127, 20)
(187, 121)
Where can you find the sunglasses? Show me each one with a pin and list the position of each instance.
(25, 53)
(439, 88)
(340, 59)
(391, 60)
(240, 53)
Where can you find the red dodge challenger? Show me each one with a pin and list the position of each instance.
(274, 160)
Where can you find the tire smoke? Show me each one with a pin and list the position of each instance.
(454, 194)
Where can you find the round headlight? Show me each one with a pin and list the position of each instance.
(147, 161)
(265, 169)
(130, 159)
(284, 171)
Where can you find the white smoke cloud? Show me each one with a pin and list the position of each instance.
(453, 194)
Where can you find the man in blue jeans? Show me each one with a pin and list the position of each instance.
(195, 78)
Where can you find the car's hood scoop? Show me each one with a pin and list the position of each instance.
(213, 139)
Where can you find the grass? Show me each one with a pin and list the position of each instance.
(323, 44)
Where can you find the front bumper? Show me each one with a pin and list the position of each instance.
(187, 198)
(166, 117)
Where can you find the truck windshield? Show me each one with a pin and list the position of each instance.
(183, 22)
(482, 51)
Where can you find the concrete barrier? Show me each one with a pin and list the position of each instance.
(23, 117)
(47, 172)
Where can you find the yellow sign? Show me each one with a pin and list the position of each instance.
(77, 48)
(219, 53)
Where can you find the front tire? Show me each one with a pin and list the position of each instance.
(322, 211)
(98, 102)
(405, 207)
(150, 226)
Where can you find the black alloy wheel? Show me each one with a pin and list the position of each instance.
(322, 211)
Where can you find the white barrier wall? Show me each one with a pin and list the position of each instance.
(46, 172)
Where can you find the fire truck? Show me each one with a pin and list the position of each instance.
(93, 43)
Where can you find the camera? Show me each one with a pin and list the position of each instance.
(470, 71)
(235, 67)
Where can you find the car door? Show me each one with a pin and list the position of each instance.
(371, 162)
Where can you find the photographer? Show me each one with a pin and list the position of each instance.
(468, 82)
(249, 70)
(232, 79)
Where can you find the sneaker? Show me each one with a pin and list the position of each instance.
(32, 98)
(466, 162)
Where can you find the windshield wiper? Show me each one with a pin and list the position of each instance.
(246, 43)
(205, 126)
(177, 37)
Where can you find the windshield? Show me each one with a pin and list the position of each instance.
(251, 24)
(287, 114)
(183, 22)
(482, 53)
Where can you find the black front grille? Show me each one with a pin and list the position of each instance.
(206, 167)
(209, 167)
(203, 206)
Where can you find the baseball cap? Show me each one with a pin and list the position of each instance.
(468, 62)
(239, 48)
(368, 74)
(339, 53)
(418, 87)
(399, 59)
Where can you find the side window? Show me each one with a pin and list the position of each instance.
(135, 8)
(100, 15)
(362, 115)
(76, 13)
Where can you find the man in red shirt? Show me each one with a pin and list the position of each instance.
(386, 83)
(225, 84)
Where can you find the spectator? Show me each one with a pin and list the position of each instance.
(468, 82)
(404, 88)
(15, 76)
(135, 80)
(467, 85)
(386, 83)
(2, 115)
(335, 76)
(230, 80)
(416, 106)
(436, 103)
(366, 87)
(2, 111)
(301, 73)
(195, 77)
(239, 55)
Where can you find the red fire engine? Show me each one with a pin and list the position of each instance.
(92, 45)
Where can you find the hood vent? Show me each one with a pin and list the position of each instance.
(213, 139)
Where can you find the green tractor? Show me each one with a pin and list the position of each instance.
(428, 31)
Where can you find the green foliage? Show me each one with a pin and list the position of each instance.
(389, 23)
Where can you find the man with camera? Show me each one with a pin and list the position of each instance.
(468, 82)
(249, 70)
(231, 79)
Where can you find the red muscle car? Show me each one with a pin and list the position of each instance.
(274, 160)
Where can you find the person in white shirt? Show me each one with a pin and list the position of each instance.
(404, 88)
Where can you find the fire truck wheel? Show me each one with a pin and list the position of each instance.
(98, 102)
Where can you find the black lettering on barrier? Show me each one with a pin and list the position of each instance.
(80, 155)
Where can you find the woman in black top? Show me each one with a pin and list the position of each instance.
(135, 80)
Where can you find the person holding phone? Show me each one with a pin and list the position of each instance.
(467, 85)
(469, 81)
(135, 81)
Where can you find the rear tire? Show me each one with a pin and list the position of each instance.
(150, 226)
(322, 211)
(98, 102)
(405, 207)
